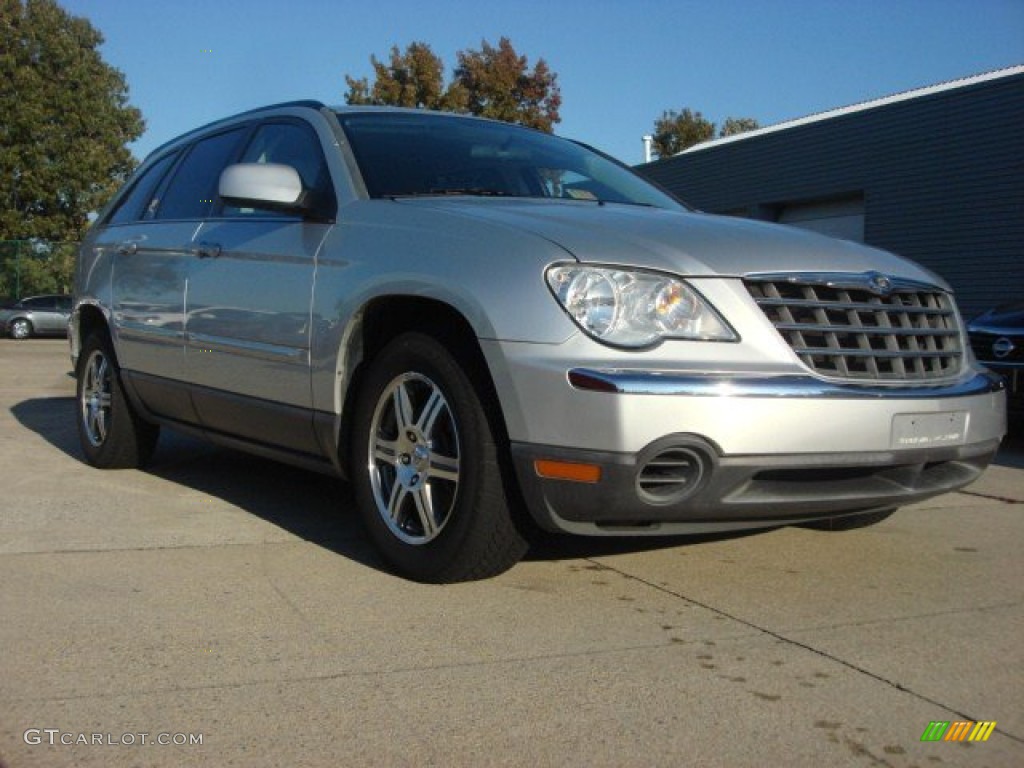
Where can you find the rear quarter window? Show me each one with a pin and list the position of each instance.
(132, 205)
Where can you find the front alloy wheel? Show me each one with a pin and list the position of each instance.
(426, 468)
(414, 458)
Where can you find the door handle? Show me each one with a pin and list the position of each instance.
(127, 248)
(205, 250)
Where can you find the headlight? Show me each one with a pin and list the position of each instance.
(630, 308)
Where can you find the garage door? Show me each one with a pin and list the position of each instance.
(837, 218)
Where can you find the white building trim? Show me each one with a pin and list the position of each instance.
(861, 107)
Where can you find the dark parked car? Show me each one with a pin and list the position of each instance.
(997, 338)
(36, 316)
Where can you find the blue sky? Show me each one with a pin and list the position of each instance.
(620, 63)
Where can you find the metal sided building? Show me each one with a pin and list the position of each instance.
(935, 174)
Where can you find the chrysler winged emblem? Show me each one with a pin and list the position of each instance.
(879, 284)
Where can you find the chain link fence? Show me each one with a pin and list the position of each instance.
(31, 267)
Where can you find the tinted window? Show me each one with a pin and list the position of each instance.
(291, 144)
(40, 302)
(132, 204)
(192, 189)
(410, 154)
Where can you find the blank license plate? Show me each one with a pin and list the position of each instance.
(923, 430)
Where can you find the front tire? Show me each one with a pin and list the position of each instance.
(112, 434)
(21, 329)
(425, 467)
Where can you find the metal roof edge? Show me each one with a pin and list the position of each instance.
(949, 85)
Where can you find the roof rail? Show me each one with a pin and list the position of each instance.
(308, 103)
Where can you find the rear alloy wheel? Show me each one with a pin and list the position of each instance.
(112, 435)
(21, 329)
(426, 472)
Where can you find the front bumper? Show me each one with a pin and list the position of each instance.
(751, 450)
(736, 493)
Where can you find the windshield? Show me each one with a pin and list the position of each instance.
(409, 154)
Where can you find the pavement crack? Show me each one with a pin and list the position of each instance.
(992, 497)
(352, 674)
(162, 547)
(797, 644)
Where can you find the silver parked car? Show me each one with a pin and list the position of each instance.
(481, 326)
(36, 316)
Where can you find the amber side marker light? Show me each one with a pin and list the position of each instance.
(567, 470)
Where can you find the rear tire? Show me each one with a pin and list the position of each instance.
(425, 467)
(112, 434)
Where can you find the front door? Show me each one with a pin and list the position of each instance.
(247, 345)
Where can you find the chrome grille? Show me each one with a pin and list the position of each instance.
(840, 327)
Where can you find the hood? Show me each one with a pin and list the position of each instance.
(680, 242)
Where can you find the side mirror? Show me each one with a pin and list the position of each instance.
(263, 185)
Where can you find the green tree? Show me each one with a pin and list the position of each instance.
(493, 82)
(500, 84)
(676, 131)
(735, 125)
(414, 78)
(65, 122)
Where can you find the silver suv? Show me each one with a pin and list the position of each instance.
(488, 329)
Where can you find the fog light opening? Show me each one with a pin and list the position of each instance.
(671, 475)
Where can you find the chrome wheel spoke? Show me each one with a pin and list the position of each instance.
(425, 510)
(444, 467)
(403, 408)
(435, 404)
(398, 494)
(385, 450)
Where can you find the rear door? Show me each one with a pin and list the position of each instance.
(247, 348)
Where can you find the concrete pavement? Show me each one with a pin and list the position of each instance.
(223, 597)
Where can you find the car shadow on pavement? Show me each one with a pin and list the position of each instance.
(316, 508)
(53, 419)
(549, 546)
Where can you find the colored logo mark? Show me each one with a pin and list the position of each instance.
(960, 730)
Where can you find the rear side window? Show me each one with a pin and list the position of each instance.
(132, 205)
(40, 302)
(194, 185)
